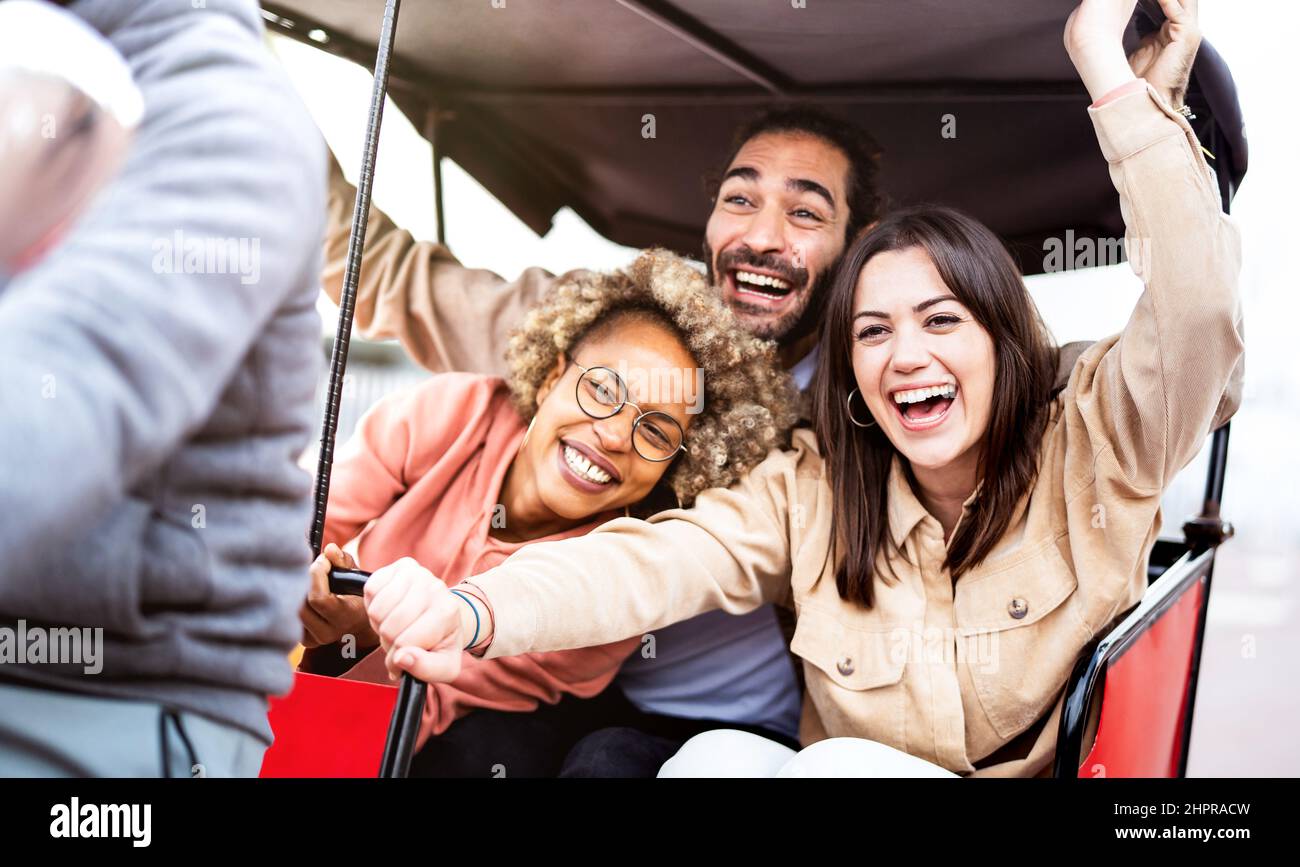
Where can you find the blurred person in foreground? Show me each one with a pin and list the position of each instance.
(158, 364)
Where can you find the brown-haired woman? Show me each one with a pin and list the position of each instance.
(956, 532)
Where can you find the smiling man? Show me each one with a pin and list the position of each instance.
(797, 186)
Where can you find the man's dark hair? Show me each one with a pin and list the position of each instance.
(864, 199)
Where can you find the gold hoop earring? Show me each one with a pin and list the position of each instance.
(523, 442)
(849, 404)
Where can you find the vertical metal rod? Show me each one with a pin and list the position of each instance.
(410, 697)
(1216, 472)
(351, 273)
(403, 728)
(1208, 529)
(432, 131)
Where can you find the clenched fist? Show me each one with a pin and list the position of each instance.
(1094, 37)
(418, 620)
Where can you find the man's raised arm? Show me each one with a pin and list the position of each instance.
(447, 316)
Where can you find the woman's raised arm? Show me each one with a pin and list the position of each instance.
(1153, 393)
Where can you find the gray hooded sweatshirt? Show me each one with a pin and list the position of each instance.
(157, 371)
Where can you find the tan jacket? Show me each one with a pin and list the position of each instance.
(970, 675)
(447, 317)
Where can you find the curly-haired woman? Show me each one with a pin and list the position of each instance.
(627, 390)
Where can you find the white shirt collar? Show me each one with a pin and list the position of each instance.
(807, 366)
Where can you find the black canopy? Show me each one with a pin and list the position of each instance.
(545, 101)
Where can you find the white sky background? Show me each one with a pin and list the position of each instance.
(1255, 36)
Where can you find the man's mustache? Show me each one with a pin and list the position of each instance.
(770, 263)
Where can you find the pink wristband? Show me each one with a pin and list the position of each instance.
(1123, 90)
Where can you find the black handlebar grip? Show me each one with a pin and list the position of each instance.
(405, 723)
(348, 582)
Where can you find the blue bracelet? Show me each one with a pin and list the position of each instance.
(473, 641)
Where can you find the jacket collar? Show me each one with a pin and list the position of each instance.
(905, 510)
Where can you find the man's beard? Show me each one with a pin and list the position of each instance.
(793, 325)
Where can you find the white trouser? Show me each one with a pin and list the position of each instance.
(730, 753)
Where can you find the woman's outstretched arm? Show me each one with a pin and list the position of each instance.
(732, 551)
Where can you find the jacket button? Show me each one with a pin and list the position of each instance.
(845, 666)
(1018, 608)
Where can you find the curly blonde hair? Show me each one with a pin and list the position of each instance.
(750, 403)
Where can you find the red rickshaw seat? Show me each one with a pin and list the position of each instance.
(1144, 701)
(328, 727)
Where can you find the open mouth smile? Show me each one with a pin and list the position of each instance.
(585, 470)
(924, 407)
(759, 287)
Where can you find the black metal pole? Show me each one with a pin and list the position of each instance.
(1216, 472)
(1208, 529)
(351, 273)
(403, 728)
(410, 696)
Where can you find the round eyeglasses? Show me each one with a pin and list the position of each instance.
(601, 393)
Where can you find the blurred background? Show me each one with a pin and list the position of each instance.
(1248, 702)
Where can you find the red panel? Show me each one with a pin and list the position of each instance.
(328, 727)
(1144, 700)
